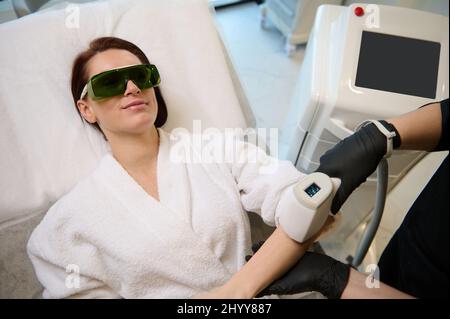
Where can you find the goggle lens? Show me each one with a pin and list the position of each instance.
(114, 82)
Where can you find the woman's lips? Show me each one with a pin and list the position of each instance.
(135, 105)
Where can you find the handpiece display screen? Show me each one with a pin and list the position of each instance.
(312, 190)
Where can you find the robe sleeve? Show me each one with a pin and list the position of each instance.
(65, 263)
(261, 179)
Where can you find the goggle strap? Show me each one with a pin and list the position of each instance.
(84, 92)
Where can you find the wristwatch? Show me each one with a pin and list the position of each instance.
(393, 140)
(391, 128)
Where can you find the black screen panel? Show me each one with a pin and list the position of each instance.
(398, 64)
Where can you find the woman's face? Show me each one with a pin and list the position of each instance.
(114, 115)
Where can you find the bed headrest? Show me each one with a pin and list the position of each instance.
(46, 148)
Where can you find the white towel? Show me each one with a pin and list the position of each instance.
(124, 243)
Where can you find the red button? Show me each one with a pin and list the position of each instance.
(359, 11)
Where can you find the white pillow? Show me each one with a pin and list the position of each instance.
(45, 147)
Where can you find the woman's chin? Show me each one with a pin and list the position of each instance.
(140, 127)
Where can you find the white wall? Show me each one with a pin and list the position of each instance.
(6, 11)
(435, 6)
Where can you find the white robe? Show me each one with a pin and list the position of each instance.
(107, 238)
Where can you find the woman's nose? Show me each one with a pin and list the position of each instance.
(131, 88)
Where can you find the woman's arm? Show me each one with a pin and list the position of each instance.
(261, 181)
(278, 254)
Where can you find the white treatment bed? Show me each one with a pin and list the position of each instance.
(46, 148)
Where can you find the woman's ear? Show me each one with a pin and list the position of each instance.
(86, 111)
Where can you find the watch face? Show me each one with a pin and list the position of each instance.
(387, 125)
(391, 128)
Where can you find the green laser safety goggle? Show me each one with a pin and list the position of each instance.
(114, 82)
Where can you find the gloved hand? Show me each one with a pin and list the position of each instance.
(313, 272)
(354, 159)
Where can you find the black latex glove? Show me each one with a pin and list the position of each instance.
(313, 272)
(352, 160)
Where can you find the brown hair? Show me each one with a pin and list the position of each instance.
(80, 77)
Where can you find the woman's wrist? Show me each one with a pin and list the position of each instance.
(239, 289)
(227, 291)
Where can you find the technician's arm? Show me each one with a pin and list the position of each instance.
(330, 277)
(420, 129)
(357, 289)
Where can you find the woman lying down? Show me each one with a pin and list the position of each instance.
(143, 225)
